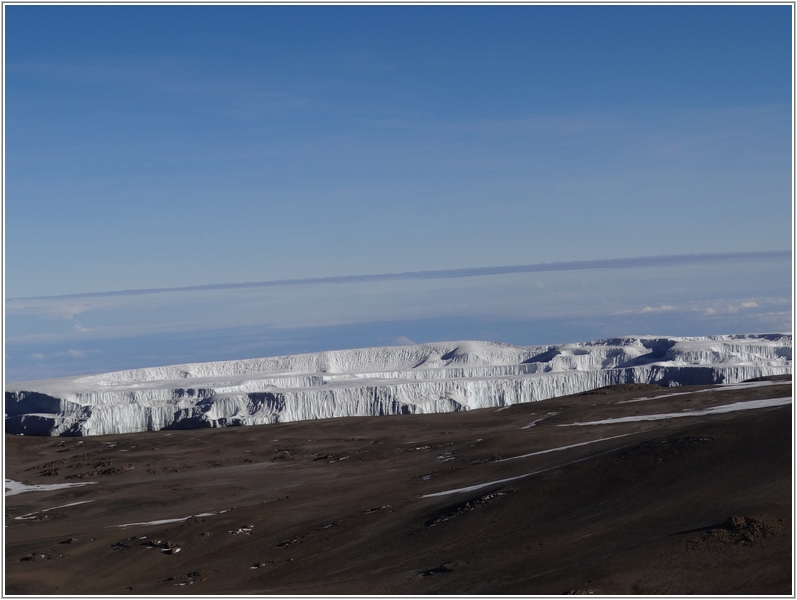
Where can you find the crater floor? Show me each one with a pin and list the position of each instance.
(627, 489)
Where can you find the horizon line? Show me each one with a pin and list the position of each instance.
(579, 265)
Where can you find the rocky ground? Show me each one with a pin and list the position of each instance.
(517, 500)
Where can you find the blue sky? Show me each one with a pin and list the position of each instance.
(170, 146)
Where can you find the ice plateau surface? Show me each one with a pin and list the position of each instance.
(422, 378)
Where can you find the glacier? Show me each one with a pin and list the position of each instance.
(412, 379)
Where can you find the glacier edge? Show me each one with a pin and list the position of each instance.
(417, 379)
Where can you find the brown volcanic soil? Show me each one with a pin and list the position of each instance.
(692, 505)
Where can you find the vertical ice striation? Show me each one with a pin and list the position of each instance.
(424, 378)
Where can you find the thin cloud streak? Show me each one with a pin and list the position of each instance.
(580, 265)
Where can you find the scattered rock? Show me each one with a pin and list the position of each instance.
(36, 556)
(188, 579)
(444, 568)
(330, 458)
(740, 531)
(465, 507)
(165, 547)
(247, 529)
(651, 453)
(122, 544)
(281, 455)
(493, 458)
(288, 542)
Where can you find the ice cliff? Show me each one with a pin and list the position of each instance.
(423, 378)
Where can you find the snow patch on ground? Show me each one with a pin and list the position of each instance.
(563, 447)
(722, 388)
(12, 488)
(164, 521)
(478, 486)
(33, 514)
(714, 410)
(736, 406)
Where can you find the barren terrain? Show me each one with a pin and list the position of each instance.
(549, 497)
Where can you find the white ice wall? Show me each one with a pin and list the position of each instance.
(423, 378)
